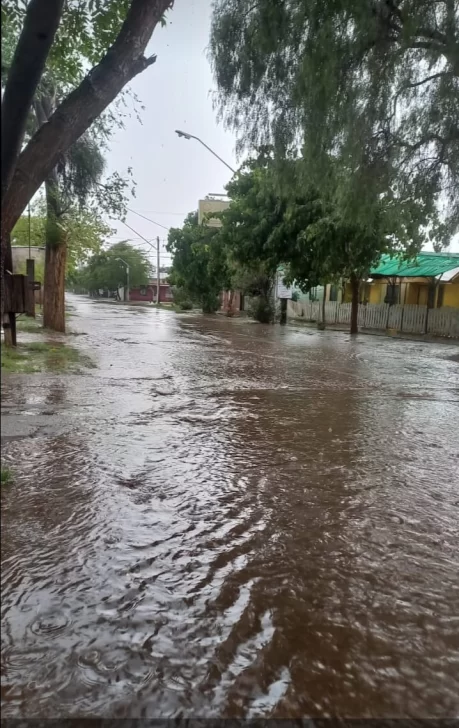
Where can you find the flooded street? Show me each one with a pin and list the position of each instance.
(227, 519)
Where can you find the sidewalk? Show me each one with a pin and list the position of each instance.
(389, 333)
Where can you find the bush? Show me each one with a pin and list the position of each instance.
(185, 305)
(181, 298)
(6, 476)
(210, 303)
(262, 309)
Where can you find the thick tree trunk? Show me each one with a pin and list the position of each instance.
(55, 260)
(9, 329)
(8, 317)
(229, 310)
(54, 285)
(355, 284)
(122, 62)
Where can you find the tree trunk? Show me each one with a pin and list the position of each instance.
(8, 317)
(283, 312)
(54, 285)
(122, 62)
(355, 284)
(55, 260)
(229, 309)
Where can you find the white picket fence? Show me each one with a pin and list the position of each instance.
(409, 319)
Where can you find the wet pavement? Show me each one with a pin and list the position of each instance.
(232, 520)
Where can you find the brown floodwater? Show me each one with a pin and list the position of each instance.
(232, 520)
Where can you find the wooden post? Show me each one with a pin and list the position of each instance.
(431, 299)
(30, 292)
(283, 312)
(402, 315)
(355, 283)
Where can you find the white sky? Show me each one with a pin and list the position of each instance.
(172, 173)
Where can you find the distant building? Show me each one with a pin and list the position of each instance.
(147, 293)
(210, 206)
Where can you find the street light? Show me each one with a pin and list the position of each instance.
(185, 135)
(126, 297)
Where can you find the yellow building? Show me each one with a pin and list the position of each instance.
(432, 279)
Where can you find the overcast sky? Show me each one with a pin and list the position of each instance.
(172, 174)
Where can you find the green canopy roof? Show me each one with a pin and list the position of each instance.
(426, 265)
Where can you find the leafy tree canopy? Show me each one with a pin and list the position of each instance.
(86, 231)
(370, 84)
(86, 30)
(105, 271)
(199, 262)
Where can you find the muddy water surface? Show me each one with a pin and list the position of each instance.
(227, 519)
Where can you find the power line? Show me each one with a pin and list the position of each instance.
(149, 220)
(161, 212)
(149, 242)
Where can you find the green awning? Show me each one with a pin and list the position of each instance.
(426, 265)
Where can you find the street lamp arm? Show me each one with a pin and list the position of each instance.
(123, 261)
(185, 135)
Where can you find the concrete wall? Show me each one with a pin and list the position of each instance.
(21, 254)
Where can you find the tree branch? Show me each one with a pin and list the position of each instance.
(431, 34)
(434, 76)
(75, 114)
(40, 24)
(440, 74)
(428, 45)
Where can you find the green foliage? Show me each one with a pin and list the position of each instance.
(6, 476)
(369, 90)
(86, 233)
(199, 262)
(20, 233)
(182, 299)
(38, 356)
(104, 271)
(262, 309)
(277, 219)
(85, 32)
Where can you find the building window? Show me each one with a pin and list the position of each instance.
(143, 291)
(392, 294)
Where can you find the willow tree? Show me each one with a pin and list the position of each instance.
(371, 83)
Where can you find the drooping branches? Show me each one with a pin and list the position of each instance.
(373, 84)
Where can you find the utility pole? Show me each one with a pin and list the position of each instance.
(30, 272)
(158, 274)
(126, 295)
